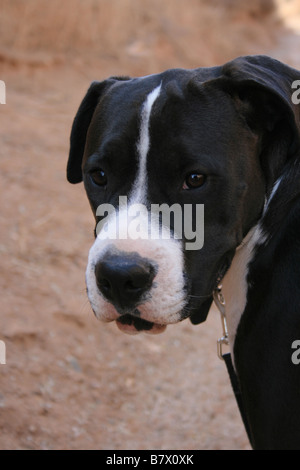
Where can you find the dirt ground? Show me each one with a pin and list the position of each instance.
(69, 381)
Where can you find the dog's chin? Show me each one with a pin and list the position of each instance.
(133, 325)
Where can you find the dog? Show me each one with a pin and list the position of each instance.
(225, 139)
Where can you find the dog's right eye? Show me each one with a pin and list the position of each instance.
(99, 177)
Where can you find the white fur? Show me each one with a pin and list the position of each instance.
(235, 285)
(274, 190)
(140, 186)
(167, 294)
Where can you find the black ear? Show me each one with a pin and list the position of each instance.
(263, 89)
(80, 127)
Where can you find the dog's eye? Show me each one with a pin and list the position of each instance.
(193, 181)
(99, 177)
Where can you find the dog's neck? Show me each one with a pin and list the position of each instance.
(235, 284)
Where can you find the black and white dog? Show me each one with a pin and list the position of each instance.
(225, 138)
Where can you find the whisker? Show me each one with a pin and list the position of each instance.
(86, 306)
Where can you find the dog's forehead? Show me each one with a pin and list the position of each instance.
(173, 82)
(181, 93)
(173, 121)
(126, 97)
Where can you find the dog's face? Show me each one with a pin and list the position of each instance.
(174, 143)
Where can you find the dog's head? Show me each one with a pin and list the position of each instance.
(177, 168)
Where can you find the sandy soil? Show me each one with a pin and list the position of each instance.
(71, 382)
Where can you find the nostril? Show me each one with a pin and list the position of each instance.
(102, 280)
(140, 276)
(139, 280)
(103, 284)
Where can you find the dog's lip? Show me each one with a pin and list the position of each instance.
(133, 325)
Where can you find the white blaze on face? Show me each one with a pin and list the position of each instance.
(167, 295)
(139, 192)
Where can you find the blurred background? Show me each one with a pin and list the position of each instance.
(69, 381)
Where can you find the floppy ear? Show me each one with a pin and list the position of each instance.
(263, 89)
(80, 127)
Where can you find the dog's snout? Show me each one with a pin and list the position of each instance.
(124, 279)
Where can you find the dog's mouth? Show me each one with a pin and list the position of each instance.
(133, 325)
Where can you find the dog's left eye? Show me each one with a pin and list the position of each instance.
(99, 177)
(193, 181)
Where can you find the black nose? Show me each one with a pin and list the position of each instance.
(124, 279)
